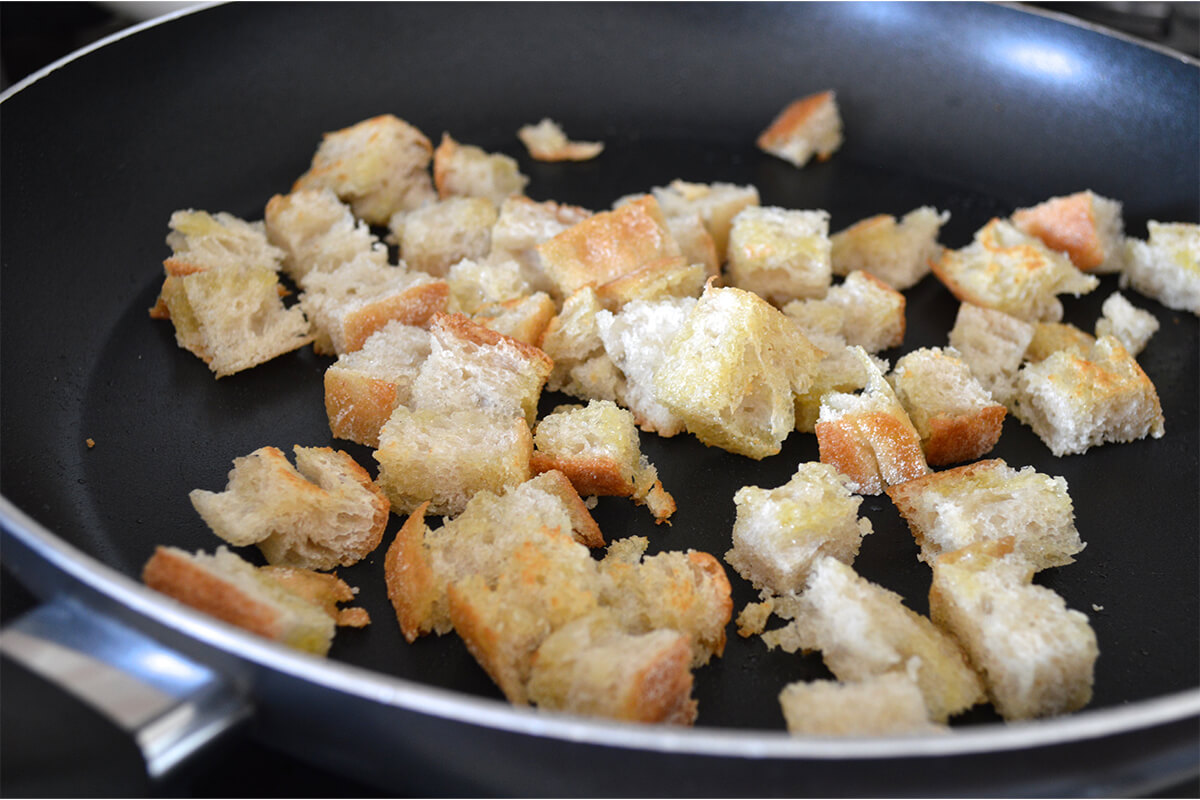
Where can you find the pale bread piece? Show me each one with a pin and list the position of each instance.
(597, 447)
(1036, 656)
(546, 141)
(582, 367)
(363, 387)
(225, 586)
(359, 297)
(1166, 267)
(200, 241)
(695, 242)
(810, 126)
(732, 371)
(379, 166)
(780, 254)
(780, 532)
(318, 232)
(522, 225)
(1050, 337)
(717, 204)
(868, 436)
(1087, 227)
(1012, 272)
(890, 704)
(1122, 319)
(321, 513)
(897, 252)
(485, 282)
(956, 417)
(436, 236)
(862, 311)
(1075, 402)
(464, 170)
(986, 501)
(524, 319)
(993, 344)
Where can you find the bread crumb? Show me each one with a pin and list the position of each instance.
(90, 442)
(1097, 608)
(547, 141)
(753, 619)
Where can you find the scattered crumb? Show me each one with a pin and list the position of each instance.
(1097, 608)
(546, 141)
(753, 619)
(90, 442)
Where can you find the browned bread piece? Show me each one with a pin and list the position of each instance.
(868, 436)
(839, 370)
(1050, 337)
(1122, 319)
(732, 371)
(321, 513)
(546, 141)
(716, 203)
(317, 232)
(898, 253)
(379, 166)
(434, 237)
(1036, 656)
(522, 225)
(658, 280)
(806, 127)
(883, 705)
(582, 367)
(1166, 266)
(989, 500)
(956, 417)
(1007, 270)
(780, 254)
(324, 589)
(1075, 402)
(994, 345)
(1084, 225)
(778, 533)
(464, 170)
(524, 319)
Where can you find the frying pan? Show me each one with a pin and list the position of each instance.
(975, 109)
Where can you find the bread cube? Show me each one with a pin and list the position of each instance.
(524, 224)
(1036, 656)
(582, 367)
(658, 280)
(475, 284)
(1050, 337)
(695, 242)
(200, 241)
(809, 126)
(780, 532)
(1009, 271)
(1074, 402)
(379, 166)
(436, 236)
(317, 232)
(840, 370)
(898, 253)
(987, 501)
(1166, 267)
(885, 705)
(1127, 322)
(523, 319)
(780, 254)
(862, 310)
(1084, 225)
(546, 141)
(716, 203)
(993, 344)
(464, 170)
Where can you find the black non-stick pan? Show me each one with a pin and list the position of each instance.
(975, 109)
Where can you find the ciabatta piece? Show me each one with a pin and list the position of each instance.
(582, 367)
(524, 224)
(1084, 225)
(321, 513)
(993, 344)
(809, 126)
(1127, 322)
(1036, 656)
(732, 371)
(898, 253)
(868, 436)
(780, 532)
(1075, 402)
(1007, 270)
(436, 236)
(780, 254)
(379, 166)
(1166, 266)
(463, 170)
(716, 203)
(317, 232)
(862, 310)
(956, 417)
(884, 705)
(546, 141)
(1050, 337)
(987, 501)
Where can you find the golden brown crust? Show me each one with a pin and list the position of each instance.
(409, 576)
(192, 585)
(903, 494)
(414, 306)
(590, 475)
(1066, 224)
(792, 120)
(484, 641)
(583, 525)
(443, 158)
(874, 449)
(463, 327)
(717, 580)
(322, 589)
(357, 406)
(954, 438)
(662, 690)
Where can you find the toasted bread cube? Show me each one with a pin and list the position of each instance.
(780, 254)
(1127, 322)
(322, 513)
(546, 141)
(582, 367)
(840, 370)
(658, 280)
(695, 242)
(379, 166)
(1007, 270)
(868, 436)
(1036, 656)
(956, 417)
(1166, 266)
(1050, 337)
(1084, 225)
(475, 284)
(780, 532)
(898, 253)
(464, 170)
(436, 236)
(862, 310)
(716, 203)
(987, 501)
(1075, 402)
(732, 370)
(524, 319)
(524, 224)
(200, 241)
(994, 345)
(317, 232)
(883, 705)
(809, 126)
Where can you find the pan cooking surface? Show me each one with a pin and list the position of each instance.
(222, 126)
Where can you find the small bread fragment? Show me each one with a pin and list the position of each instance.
(1087, 227)
(780, 532)
(464, 170)
(1122, 319)
(596, 446)
(1074, 402)
(732, 371)
(324, 589)
(582, 367)
(522, 225)
(882, 705)
(988, 501)
(898, 253)
(317, 232)
(868, 436)
(546, 141)
(321, 513)
(840, 370)
(1036, 656)
(994, 345)
(1166, 266)
(862, 310)
(780, 254)
(1012, 272)
(1050, 337)
(956, 417)
(436, 236)
(716, 204)
(809, 126)
(379, 166)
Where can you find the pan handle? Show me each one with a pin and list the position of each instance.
(171, 706)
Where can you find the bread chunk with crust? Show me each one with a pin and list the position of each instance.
(1127, 322)
(434, 237)
(716, 203)
(994, 345)
(546, 141)
(464, 170)
(896, 252)
(522, 225)
(1166, 266)
(582, 367)
(317, 232)
(862, 311)
(780, 254)
(1087, 227)
(809, 126)
(1050, 337)
(883, 705)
